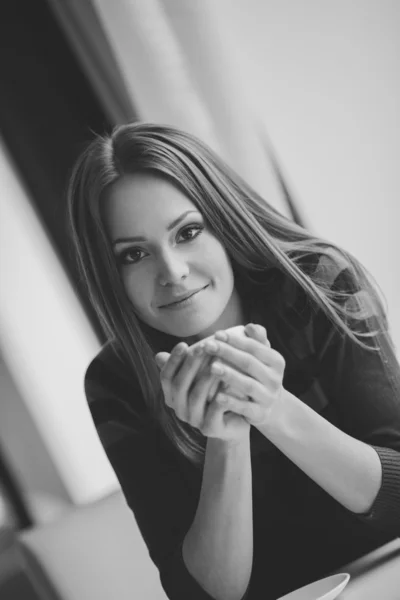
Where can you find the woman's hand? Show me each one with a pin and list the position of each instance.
(187, 394)
(256, 372)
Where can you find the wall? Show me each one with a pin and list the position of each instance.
(326, 80)
(46, 342)
(27, 455)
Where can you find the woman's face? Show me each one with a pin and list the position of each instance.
(164, 250)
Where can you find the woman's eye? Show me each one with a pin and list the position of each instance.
(131, 256)
(195, 228)
(123, 257)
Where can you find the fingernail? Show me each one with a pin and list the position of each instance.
(221, 335)
(211, 347)
(198, 351)
(179, 350)
(217, 369)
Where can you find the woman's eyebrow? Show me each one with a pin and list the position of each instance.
(139, 238)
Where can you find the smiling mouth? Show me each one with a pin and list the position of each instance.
(184, 299)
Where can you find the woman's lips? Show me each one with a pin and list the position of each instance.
(183, 303)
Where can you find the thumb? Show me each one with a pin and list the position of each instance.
(161, 358)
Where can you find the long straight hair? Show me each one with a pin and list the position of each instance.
(255, 235)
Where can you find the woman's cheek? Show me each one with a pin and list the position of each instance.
(136, 292)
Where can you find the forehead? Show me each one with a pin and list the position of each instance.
(142, 202)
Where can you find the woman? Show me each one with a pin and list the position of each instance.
(291, 468)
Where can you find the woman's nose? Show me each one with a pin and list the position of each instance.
(172, 270)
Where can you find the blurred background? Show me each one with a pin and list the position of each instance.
(301, 97)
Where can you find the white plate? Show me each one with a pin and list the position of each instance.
(324, 589)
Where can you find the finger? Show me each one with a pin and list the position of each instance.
(161, 359)
(214, 414)
(243, 384)
(258, 332)
(245, 362)
(170, 368)
(184, 379)
(199, 397)
(261, 350)
(253, 412)
(268, 363)
(175, 358)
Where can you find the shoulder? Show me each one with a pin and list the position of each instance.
(108, 371)
(304, 322)
(348, 284)
(114, 397)
(341, 279)
(329, 268)
(107, 374)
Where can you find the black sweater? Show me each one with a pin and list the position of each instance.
(300, 532)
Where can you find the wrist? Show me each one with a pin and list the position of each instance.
(279, 416)
(222, 446)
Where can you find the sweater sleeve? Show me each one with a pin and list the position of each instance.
(364, 387)
(150, 478)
